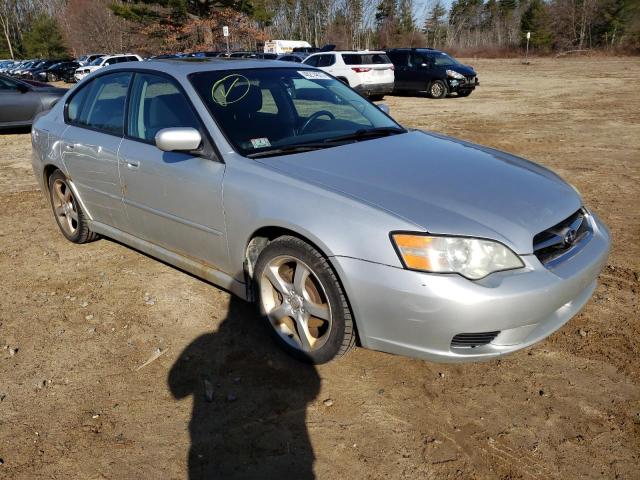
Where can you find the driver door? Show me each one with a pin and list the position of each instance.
(172, 199)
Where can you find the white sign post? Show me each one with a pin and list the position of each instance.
(526, 55)
(225, 32)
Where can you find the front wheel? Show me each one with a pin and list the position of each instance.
(302, 301)
(437, 89)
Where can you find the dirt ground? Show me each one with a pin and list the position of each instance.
(79, 398)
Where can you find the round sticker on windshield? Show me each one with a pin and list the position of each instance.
(230, 89)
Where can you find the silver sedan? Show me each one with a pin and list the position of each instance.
(279, 183)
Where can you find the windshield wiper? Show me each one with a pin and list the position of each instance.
(366, 133)
(362, 134)
(303, 147)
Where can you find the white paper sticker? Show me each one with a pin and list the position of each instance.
(313, 74)
(260, 142)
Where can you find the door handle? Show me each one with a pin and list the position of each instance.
(133, 164)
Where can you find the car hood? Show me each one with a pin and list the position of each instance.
(443, 185)
(463, 69)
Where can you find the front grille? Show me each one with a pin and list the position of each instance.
(472, 340)
(562, 238)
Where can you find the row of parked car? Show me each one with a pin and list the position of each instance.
(378, 73)
(372, 73)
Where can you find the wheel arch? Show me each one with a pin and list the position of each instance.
(46, 174)
(261, 237)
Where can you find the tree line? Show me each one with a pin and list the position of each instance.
(56, 28)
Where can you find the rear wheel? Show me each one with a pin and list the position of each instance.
(302, 301)
(68, 214)
(437, 89)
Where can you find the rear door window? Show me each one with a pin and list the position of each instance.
(313, 61)
(100, 104)
(326, 60)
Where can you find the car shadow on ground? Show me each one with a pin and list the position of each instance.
(421, 95)
(249, 402)
(15, 130)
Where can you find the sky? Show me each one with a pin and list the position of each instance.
(421, 6)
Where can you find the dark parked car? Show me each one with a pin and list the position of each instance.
(431, 71)
(292, 57)
(35, 69)
(58, 71)
(20, 101)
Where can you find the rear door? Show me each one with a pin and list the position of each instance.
(95, 114)
(173, 199)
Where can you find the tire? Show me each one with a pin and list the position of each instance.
(437, 89)
(376, 98)
(67, 211)
(464, 93)
(294, 281)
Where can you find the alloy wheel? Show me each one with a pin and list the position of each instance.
(437, 90)
(64, 206)
(296, 304)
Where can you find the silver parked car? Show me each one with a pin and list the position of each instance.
(284, 186)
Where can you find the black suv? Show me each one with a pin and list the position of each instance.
(431, 71)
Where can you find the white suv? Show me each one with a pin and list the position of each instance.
(368, 72)
(103, 62)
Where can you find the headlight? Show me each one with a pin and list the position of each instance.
(454, 74)
(472, 258)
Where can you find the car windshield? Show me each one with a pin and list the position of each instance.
(444, 59)
(264, 109)
(97, 61)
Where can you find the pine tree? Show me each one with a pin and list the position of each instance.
(44, 39)
(406, 22)
(536, 19)
(386, 13)
(434, 26)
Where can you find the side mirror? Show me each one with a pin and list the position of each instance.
(384, 107)
(179, 139)
(424, 65)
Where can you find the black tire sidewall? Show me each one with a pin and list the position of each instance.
(293, 247)
(444, 89)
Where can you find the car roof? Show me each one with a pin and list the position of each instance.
(350, 52)
(405, 49)
(186, 66)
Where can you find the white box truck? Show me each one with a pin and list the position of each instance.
(284, 46)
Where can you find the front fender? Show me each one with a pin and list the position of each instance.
(256, 196)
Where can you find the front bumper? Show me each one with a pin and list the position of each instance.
(374, 88)
(418, 314)
(457, 85)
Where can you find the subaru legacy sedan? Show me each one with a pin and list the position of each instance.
(282, 185)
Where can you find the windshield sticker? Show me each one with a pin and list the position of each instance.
(230, 89)
(260, 142)
(313, 75)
